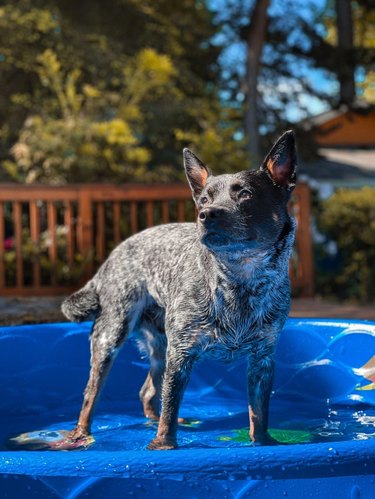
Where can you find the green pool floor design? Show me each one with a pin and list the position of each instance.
(281, 435)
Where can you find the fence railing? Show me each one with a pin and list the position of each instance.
(52, 239)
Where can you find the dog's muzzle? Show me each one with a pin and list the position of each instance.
(211, 214)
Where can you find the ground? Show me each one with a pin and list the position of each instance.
(37, 310)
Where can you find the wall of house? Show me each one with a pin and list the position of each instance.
(348, 130)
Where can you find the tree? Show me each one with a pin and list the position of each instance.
(97, 47)
(300, 63)
(345, 45)
(255, 37)
(88, 133)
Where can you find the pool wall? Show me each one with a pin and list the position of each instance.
(321, 364)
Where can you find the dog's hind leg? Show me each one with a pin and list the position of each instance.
(108, 334)
(154, 344)
(150, 393)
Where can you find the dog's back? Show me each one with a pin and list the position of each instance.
(152, 260)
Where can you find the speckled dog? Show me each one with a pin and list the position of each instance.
(215, 289)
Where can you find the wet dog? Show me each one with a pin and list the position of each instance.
(218, 288)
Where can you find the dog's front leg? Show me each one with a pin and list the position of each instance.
(259, 385)
(176, 377)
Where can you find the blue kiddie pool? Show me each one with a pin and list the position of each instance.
(322, 412)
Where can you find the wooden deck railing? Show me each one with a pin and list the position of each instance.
(52, 239)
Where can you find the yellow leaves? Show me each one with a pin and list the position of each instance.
(364, 27)
(159, 67)
(11, 168)
(90, 91)
(44, 21)
(21, 99)
(364, 37)
(368, 87)
(108, 154)
(114, 132)
(60, 150)
(147, 72)
(33, 20)
(73, 98)
(139, 155)
(363, 24)
(130, 112)
(89, 149)
(63, 86)
(216, 142)
(88, 132)
(49, 63)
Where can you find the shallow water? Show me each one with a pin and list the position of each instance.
(324, 394)
(209, 425)
(323, 389)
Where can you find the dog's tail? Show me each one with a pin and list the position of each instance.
(81, 304)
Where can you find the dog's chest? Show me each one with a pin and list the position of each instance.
(239, 320)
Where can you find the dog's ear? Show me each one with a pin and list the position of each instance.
(197, 173)
(281, 162)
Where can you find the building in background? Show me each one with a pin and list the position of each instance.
(346, 146)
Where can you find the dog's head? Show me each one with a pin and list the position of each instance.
(245, 210)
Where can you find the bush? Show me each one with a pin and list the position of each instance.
(85, 133)
(348, 219)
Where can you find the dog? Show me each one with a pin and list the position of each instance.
(218, 288)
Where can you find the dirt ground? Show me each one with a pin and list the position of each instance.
(38, 310)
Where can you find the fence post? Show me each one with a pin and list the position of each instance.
(2, 249)
(305, 248)
(85, 229)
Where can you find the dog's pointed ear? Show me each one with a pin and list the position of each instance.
(281, 162)
(197, 173)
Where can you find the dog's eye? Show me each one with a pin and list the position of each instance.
(244, 194)
(204, 200)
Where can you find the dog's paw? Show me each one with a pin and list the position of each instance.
(72, 441)
(51, 440)
(162, 444)
(265, 439)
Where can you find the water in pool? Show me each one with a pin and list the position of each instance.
(323, 404)
(210, 425)
(324, 389)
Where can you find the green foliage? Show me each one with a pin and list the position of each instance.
(89, 94)
(348, 218)
(363, 12)
(76, 141)
(38, 252)
(215, 142)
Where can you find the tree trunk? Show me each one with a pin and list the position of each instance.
(346, 68)
(255, 40)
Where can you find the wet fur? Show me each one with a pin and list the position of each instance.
(194, 291)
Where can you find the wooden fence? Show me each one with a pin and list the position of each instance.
(52, 239)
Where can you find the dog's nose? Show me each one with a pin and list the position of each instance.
(209, 214)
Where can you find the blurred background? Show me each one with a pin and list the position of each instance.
(111, 91)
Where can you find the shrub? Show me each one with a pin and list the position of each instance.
(348, 219)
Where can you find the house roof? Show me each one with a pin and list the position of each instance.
(342, 167)
(359, 107)
(346, 145)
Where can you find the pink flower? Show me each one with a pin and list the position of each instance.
(8, 244)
